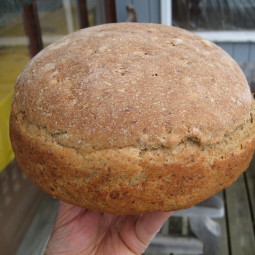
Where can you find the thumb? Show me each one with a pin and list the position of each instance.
(148, 225)
(137, 231)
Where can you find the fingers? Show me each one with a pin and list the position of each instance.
(137, 231)
(67, 213)
(128, 235)
(148, 225)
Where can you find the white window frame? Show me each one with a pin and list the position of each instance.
(243, 36)
(166, 12)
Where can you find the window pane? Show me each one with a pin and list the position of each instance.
(214, 14)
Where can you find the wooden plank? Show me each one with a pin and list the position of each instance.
(224, 249)
(38, 233)
(175, 225)
(110, 11)
(208, 231)
(83, 13)
(32, 28)
(19, 198)
(166, 245)
(250, 178)
(240, 228)
(183, 254)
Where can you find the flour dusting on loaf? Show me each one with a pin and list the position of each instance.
(132, 118)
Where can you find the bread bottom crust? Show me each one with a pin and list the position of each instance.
(127, 180)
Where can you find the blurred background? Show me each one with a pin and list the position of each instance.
(226, 222)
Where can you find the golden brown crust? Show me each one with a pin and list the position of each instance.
(101, 75)
(131, 118)
(131, 180)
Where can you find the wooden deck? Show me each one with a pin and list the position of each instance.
(27, 216)
(238, 226)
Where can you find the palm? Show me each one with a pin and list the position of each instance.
(80, 231)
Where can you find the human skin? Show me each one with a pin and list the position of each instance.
(84, 232)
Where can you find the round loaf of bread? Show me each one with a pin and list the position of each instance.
(131, 118)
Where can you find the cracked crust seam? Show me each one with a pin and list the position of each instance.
(230, 141)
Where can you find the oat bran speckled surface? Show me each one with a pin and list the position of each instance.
(130, 118)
